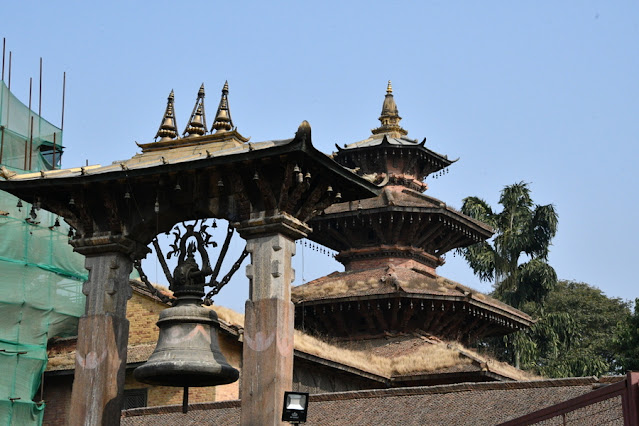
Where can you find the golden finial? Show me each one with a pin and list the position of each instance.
(197, 122)
(390, 116)
(168, 126)
(223, 122)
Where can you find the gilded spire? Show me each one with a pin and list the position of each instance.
(223, 122)
(197, 122)
(390, 116)
(168, 127)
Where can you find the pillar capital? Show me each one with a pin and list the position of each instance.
(260, 224)
(109, 243)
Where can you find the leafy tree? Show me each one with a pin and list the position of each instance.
(575, 332)
(522, 229)
(575, 323)
(626, 341)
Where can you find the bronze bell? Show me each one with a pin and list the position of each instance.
(187, 353)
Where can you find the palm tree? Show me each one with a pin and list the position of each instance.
(523, 230)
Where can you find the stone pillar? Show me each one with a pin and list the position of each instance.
(103, 332)
(267, 359)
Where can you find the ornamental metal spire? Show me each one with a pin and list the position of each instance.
(197, 122)
(168, 126)
(223, 122)
(390, 116)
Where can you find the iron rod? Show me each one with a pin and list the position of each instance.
(185, 400)
(1, 142)
(31, 144)
(4, 48)
(53, 159)
(9, 86)
(64, 89)
(26, 155)
(40, 94)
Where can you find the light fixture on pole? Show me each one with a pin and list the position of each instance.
(295, 407)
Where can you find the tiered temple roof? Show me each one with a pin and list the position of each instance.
(391, 246)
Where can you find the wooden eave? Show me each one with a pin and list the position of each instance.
(474, 302)
(350, 184)
(385, 145)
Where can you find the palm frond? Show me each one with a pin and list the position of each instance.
(543, 229)
(478, 209)
(481, 258)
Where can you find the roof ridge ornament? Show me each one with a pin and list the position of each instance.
(197, 121)
(390, 116)
(168, 126)
(223, 121)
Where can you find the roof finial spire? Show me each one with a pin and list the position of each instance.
(197, 121)
(223, 122)
(168, 126)
(390, 116)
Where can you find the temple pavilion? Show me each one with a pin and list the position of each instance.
(390, 298)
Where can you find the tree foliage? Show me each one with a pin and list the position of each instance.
(522, 229)
(577, 330)
(577, 327)
(575, 334)
(626, 341)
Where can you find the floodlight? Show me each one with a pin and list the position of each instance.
(295, 407)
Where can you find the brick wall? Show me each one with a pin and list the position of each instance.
(57, 396)
(142, 313)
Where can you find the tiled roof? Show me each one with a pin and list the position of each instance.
(402, 197)
(340, 285)
(458, 404)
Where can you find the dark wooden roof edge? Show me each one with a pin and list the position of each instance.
(479, 223)
(461, 298)
(421, 146)
(342, 367)
(459, 376)
(449, 212)
(300, 143)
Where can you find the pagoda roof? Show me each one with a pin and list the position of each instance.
(378, 281)
(405, 198)
(388, 141)
(402, 299)
(401, 216)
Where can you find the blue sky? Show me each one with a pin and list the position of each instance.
(542, 92)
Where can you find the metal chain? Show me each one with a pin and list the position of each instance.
(218, 285)
(152, 289)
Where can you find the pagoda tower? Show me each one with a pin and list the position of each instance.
(391, 247)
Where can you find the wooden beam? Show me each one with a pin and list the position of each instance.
(266, 192)
(407, 314)
(305, 212)
(427, 236)
(287, 181)
(379, 316)
(394, 320)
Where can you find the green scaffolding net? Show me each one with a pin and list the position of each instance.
(40, 275)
